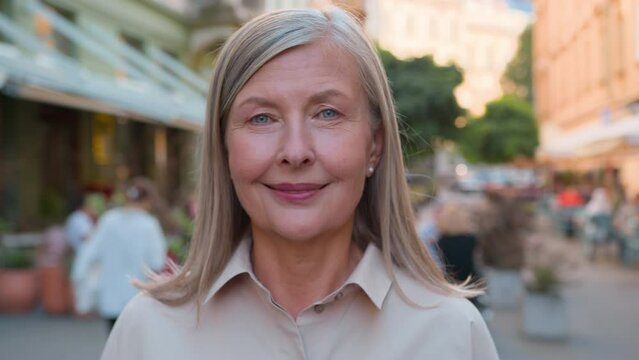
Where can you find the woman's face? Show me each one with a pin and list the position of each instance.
(300, 143)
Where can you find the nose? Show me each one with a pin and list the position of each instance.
(297, 145)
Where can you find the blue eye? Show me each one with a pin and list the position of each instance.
(328, 114)
(260, 119)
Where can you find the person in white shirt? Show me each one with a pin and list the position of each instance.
(80, 222)
(127, 242)
(305, 244)
(78, 228)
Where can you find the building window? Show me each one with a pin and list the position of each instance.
(490, 57)
(410, 27)
(434, 29)
(453, 30)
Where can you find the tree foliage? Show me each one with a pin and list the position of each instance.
(517, 79)
(506, 131)
(424, 99)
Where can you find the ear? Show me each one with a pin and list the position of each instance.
(377, 147)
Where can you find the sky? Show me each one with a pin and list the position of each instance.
(524, 5)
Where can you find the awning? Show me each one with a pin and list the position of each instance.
(171, 95)
(593, 139)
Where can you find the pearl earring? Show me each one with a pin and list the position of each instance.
(371, 169)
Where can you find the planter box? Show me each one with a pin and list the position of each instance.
(18, 290)
(55, 290)
(545, 317)
(505, 288)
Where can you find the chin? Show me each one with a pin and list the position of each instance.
(299, 233)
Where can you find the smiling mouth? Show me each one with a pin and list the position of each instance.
(296, 193)
(299, 187)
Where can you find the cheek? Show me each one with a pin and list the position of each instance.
(248, 158)
(348, 167)
(345, 159)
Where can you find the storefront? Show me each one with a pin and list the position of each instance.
(67, 128)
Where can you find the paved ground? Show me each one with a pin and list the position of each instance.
(37, 336)
(604, 317)
(604, 310)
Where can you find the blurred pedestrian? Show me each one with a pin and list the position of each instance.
(458, 243)
(570, 198)
(78, 228)
(305, 244)
(597, 221)
(568, 203)
(80, 222)
(126, 243)
(599, 203)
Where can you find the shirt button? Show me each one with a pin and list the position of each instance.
(339, 295)
(319, 308)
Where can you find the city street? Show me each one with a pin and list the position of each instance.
(604, 324)
(128, 133)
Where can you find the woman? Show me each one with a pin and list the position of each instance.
(127, 241)
(304, 244)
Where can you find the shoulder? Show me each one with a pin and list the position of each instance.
(77, 217)
(110, 215)
(429, 304)
(451, 319)
(147, 218)
(146, 311)
(146, 324)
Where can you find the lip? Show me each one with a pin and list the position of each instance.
(296, 192)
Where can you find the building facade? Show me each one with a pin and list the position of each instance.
(586, 75)
(92, 94)
(354, 6)
(479, 36)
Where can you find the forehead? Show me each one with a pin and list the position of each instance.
(306, 69)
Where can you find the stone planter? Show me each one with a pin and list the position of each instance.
(545, 317)
(505, 288)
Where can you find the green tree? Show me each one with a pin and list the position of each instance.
(517, 78)
(506, 131)
(424, 100)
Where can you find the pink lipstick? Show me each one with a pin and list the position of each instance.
(296, 193)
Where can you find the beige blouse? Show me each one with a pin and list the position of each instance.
(364, 319)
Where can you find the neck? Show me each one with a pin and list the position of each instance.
(299, 273)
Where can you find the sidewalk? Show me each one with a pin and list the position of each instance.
(39, 336)
(604, 316)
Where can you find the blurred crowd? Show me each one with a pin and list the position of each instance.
(539, 237)
(108, 243)
(600, 219)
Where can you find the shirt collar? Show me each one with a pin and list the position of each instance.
(370, 274)
(239, 263)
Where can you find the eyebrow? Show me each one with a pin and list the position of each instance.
(327, 94)
(320, 96)
(260, 101)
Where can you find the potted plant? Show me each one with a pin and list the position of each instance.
(504, 222)
(19, 283)
(549, 264)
